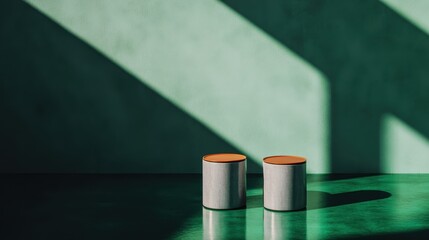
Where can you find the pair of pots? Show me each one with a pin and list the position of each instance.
(224, 182)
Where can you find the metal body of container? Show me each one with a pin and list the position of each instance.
(224, 181)
(285, 185)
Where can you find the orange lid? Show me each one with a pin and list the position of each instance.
(285, 160)
(224, 157)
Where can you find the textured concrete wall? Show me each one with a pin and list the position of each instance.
(376, 64)
(136, 86)
(67, 108)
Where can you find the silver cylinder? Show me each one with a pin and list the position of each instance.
(224, 181)
(285, 185)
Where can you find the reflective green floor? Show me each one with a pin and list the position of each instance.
(169, 207)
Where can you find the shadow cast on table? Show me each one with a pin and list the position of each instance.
(334, 177)
(318, 199)
(97, 206)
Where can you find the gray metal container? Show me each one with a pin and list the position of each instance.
(224, 181)
(285, 185)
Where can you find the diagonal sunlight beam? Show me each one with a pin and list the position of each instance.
(404, 150)
(216, 66)
(413, 10)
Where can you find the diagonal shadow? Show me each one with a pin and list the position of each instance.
(100, 206)
(66, 108)
(319, 199)
(376, 62)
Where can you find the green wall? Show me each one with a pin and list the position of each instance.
(375, 58)
(67, 108)
(150, 86)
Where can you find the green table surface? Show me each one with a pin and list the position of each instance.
(169, 207)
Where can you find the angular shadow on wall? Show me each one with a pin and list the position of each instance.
(376, 62)
(66, 108)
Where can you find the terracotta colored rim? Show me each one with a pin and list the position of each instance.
(224, 157)
(285, 160)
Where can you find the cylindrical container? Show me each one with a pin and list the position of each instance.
(224, 181)
(218, 224)
(285, 185)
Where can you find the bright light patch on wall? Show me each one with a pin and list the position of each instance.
(404, 150)
(416, 11)
(214, 65)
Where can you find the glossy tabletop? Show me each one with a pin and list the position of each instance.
(169, 207)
